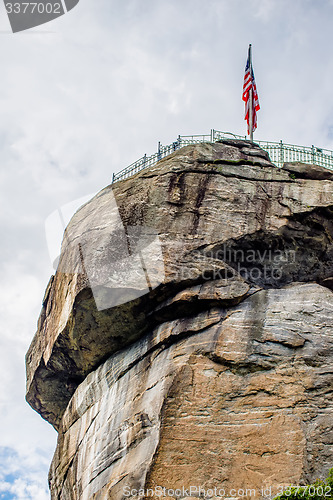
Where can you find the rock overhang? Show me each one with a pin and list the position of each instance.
(191, 203)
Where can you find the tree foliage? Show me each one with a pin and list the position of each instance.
(319, 490)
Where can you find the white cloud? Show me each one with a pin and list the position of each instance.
(20, 477)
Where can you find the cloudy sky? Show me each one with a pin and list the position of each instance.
(87, 94)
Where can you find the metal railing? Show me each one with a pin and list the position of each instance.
(279, 152)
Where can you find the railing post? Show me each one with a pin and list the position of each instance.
(212, 135)
(313, 154)
(179, 141)
(144, 160)
(159, 156)
(112, 178)
(281, 154)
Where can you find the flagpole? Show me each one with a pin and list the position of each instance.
(250, 97)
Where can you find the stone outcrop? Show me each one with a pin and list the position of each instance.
(186, 338)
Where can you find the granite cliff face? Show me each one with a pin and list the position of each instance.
(186, 338)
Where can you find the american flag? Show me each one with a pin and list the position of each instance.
(249, 82)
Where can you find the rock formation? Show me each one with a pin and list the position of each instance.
(186, 340)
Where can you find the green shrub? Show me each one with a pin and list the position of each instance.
(319, 490)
